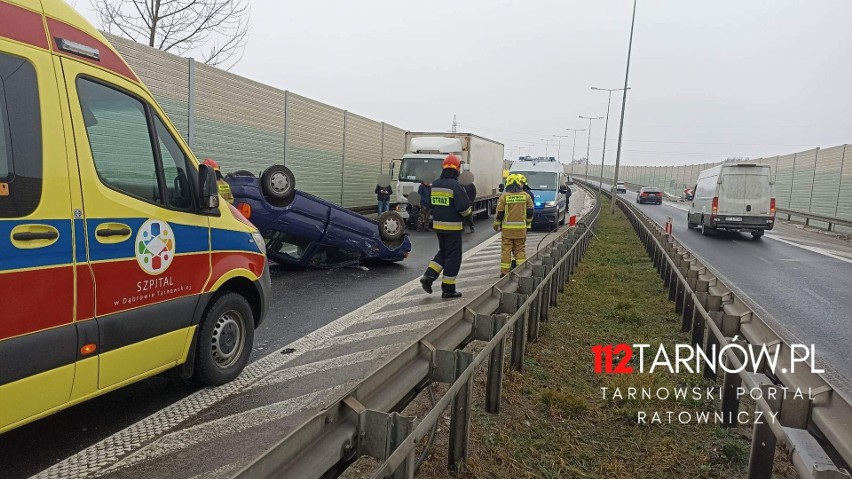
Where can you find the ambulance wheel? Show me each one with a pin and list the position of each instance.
(225, 338)
(278, 184)
(391, 226)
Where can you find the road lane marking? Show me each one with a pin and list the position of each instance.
(295, 372)
(377, 332)
(234, 423)
(812, 249)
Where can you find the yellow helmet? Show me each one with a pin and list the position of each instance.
(522, 179)
(513, 179)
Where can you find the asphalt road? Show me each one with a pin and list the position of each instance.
(302, 301)
(806, 292)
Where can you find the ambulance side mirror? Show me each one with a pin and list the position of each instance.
(208, 190)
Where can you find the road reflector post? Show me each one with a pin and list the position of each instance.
(494, 381)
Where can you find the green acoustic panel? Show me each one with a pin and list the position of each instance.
(237, 147)
(318, 172)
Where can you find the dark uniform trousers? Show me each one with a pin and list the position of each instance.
(448, 260)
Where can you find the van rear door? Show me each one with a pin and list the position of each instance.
(744, 191)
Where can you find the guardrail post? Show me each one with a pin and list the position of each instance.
(460, 416)
(680, 294)
(400, 428)
(381, 433)
(730, 401)
(494, 382)
(519, 337)
(527, 286)
(688, 312)
(541, 271)
(763, 441)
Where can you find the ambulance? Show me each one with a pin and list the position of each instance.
(118, 259)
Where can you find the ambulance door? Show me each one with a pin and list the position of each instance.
(38, 339)
(149, 247)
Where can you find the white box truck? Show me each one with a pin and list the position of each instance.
(424, 153)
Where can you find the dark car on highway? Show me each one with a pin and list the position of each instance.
(649, 194)
(304, 230)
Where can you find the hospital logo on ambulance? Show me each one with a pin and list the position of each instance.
(155, 246)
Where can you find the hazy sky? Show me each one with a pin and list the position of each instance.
(709, 79)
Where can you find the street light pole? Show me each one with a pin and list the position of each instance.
(589, 141)
(574, 147)
(623, 104)
(546, 144)
(559, 146)
(606, 128)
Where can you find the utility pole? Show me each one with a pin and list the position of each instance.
(606, 127)
(589, 141)
(623, 103)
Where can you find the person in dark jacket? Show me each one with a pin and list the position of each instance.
(383, 194)
(424, 210)
(450, 206)
(470, 189)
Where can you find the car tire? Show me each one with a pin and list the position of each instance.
(757, 234)
(278, 184)
(224, 341)
(391, 226)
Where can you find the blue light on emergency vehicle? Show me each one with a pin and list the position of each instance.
(538, 204)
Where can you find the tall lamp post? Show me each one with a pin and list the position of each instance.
(623, 103)
(559, 146)
(589, 140)
(547, 142)
(606, 128)
(574, 147)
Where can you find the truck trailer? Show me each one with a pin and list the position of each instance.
(424, 154)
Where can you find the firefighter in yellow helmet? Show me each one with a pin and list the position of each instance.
(514, 217)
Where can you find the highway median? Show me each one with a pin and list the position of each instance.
(561, 418)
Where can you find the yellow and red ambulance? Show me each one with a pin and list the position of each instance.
(118, 260)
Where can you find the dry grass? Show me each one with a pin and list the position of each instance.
(554, 422)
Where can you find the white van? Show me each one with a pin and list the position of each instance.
(549, 184)
(734, 197)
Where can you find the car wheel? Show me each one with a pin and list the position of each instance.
(278, 184)
(757, 234)
(391, 226)
(224, 342)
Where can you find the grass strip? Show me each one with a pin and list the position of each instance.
(555, 422)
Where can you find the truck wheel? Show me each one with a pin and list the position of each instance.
(391, 226)
(485, 214)
(278, 184)
(757, 234)
(225, 338)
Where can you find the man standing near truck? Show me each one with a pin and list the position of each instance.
(514, 217)
(450, 206)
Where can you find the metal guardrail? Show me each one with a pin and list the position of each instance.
(816, 429)
(831, 220)
(365, 422)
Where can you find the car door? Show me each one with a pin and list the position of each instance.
(38, 339)
(148, 247)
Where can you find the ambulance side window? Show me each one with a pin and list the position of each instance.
(174, 167)
(117, 128)
(20, 138)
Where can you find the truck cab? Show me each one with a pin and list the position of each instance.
(422, 163)
(549, 184)
(118, 258)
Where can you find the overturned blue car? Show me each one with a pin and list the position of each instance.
(307, 231)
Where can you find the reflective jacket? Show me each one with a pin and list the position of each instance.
(450, 205)
(515, 213)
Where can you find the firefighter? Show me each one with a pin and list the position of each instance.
(450, 206)
(224, 187)
(514, 217)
